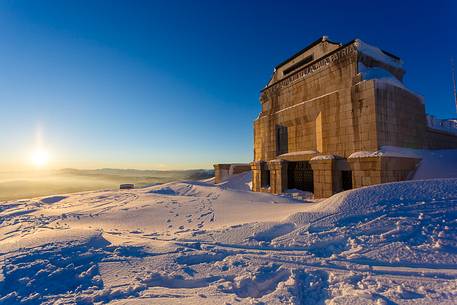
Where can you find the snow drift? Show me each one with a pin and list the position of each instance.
(193, 242)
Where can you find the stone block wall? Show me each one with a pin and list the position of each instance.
(223, 171)
(239, 168)
(363, 119)
(400, 116)
(333, 111)
(278, 176)
(318, 104)
(365, 171)
(398, 169)
(436, 139)
(326, 108)
(256, 168)
(375, 170)
(324, 178)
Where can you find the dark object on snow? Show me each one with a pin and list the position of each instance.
(127, 186)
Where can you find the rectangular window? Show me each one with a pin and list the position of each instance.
(297, 65)
(282, 140)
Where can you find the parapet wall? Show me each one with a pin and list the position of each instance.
(400, 117)
(223, 171)
(437, 139)
(381, 169)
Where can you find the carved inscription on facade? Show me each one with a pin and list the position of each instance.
(335, 57)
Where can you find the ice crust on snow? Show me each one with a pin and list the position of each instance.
(194, 242)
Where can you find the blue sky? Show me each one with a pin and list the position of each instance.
(175, 84)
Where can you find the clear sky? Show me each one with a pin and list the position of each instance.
(175, 84)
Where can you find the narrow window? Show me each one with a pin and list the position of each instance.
(297, 65)
(319, 144)
(282, 140)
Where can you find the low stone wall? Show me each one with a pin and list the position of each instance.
(225, 170)
(327, 173)
(324, 178)
(437, 139)
(375, 170)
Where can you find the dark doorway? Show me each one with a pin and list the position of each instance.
(300, 176)
(346, 177)
(265, 179)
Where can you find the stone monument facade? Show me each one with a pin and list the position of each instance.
(327, 111)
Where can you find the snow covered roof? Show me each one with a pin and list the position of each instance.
(385, 151)
(299, 153)
(323, 157)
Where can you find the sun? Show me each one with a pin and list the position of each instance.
(40, 158)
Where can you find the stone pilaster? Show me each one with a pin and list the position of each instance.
(256, 168)
(365, 171)
(278, 176)
(324, 177)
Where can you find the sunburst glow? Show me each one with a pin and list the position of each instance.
(40, 158)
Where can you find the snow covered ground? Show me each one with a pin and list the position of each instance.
(193, 242)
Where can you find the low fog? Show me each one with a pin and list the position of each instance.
(17, 185)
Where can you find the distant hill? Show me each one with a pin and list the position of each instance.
(175, 174)
(70, 180)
